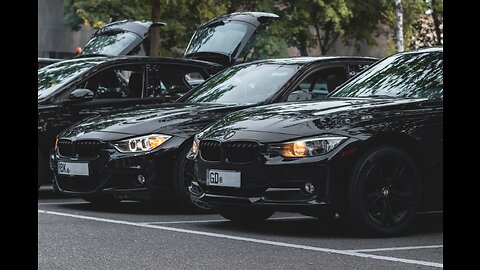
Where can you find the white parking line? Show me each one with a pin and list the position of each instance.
(394, 248)
(247, 239)
(213, 220)
(60, 203)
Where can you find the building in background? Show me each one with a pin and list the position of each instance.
(55, 39)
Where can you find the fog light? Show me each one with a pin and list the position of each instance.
(309, 188)
(141, 179)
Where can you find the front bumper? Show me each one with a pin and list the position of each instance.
(275, 183)
(120, 175)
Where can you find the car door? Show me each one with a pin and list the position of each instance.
(113, 88)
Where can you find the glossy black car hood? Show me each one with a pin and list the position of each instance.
(181, 120)
(279, 122)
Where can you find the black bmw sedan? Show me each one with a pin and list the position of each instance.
(371, 151)
(140, 153)
(111, 73)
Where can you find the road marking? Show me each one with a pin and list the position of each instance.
(394, 248)
(60, 203)
(247, 239)
(213, 220)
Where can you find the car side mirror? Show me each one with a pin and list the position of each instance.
(299, 95)
(81, 94)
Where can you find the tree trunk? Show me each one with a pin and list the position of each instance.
(436, 23)
(155, 31)
(399, 25)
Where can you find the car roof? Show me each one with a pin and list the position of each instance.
(424, 50)
(309, 59)
(108, 60)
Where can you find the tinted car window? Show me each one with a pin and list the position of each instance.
(173, 80)
(322, 82)
(414, 75)
(119, 82)
(52, 77)
(244, 84)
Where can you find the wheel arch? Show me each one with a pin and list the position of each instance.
(404, 142)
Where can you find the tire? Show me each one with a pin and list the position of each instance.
(101, 201)
(41, 173)
(182, 180)
(383, 192)
(245, 215)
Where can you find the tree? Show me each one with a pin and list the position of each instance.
(399, 25)
(436, 7)
(155, 32)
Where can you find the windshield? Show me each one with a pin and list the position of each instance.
(52, 77)
(410, 75)
(244, 84)
(221, 38)
(111, 43)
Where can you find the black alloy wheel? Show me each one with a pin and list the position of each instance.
(243, 215)
(182, 180)
(384, 191)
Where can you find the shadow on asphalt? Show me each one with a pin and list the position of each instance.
(132, 207)
(46, 192)
(124, 207)
(324, 228)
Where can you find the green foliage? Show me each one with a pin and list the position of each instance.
(302, 24)
(97, 12)
(413, 10)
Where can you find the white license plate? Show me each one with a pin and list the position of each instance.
(73, 168)
(223, 178)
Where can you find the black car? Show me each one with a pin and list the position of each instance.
(106, 75)
(372, 151)
(140, 153)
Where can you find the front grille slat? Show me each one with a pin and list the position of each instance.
(233, 152)
(80, 149)
(241, 152)
(210, 150)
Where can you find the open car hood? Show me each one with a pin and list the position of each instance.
(224, 40)
(118, 38)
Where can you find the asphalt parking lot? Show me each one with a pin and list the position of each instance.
(73, 234)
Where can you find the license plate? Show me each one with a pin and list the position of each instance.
(223, 178)
(73, 168)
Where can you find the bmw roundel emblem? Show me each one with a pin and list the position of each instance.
(229, 134)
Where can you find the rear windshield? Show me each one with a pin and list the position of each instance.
(111, 44)
(222, 39)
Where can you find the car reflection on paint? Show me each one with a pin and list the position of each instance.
(371, 151)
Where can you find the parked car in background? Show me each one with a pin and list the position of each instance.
(43, 62)
(371, 151)
(140, 153)
(106, 76)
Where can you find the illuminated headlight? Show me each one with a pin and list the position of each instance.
(194, 150)
(308, 147)
(141, 144)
